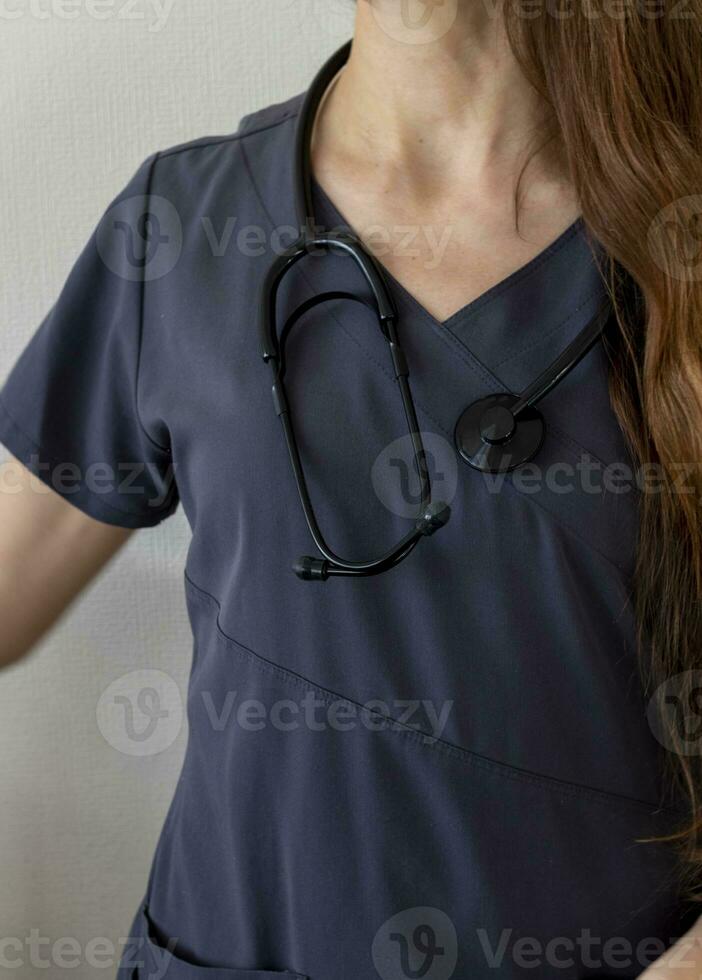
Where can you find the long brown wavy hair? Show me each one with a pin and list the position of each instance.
(623, 84)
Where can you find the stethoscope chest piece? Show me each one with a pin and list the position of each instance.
(491, 439)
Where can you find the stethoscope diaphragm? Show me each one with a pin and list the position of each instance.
(491, 439)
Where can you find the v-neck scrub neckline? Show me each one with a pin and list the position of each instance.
(457, 750)
(335, 219)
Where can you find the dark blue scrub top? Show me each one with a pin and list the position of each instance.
(441, 771)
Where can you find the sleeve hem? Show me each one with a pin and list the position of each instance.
(80, 496)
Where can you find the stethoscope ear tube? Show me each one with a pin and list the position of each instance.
(304, 201)
(269, 339)
(432, 515)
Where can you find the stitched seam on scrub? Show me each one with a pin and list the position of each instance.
(207, 143)
(468, 357)
(573, 790)
(567, 526)
(468, 309)
(542, 338)
(516, 277)
(140, 333)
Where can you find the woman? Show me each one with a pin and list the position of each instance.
(448, 768)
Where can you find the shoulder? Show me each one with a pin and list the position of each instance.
(262, 123)
(220, 165)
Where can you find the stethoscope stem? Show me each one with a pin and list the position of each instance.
(568, 359)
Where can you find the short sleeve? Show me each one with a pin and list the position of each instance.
(69, 408)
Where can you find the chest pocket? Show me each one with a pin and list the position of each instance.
(153, 959)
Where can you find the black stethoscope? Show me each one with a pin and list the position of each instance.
(494, 435)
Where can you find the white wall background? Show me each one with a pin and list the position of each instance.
(82, 102)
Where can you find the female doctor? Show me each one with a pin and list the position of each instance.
(435, 562)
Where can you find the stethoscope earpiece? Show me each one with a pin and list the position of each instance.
(491, 439)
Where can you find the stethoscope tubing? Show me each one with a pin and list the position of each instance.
(273, 348)
(568, 359)
(495, 434)
(272, 343)
(304, 200)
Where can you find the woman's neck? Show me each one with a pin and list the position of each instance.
(432, 138)
(440, 100)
